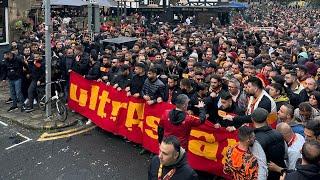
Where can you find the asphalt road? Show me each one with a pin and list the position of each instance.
(94, 154)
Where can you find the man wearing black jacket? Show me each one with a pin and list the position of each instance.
(81, 61)
(230, 108)
(12, 67)
(171, 162)
(37, 74)
(153, 90)
(94, 70)
(271, 140)
(137, 80)
(122, 80)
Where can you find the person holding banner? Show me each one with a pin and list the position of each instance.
(153, 90)
(178, 123)
(171, 163)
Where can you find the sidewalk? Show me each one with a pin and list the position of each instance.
(33, 120)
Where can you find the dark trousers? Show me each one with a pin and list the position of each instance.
(32, 90)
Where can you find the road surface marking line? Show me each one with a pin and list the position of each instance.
(25, 137)
(63, 132)
(5, 124)
(65, 135)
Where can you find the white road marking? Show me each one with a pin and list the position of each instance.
(25, 137)
(5, 124)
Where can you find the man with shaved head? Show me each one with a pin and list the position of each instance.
(294, 142)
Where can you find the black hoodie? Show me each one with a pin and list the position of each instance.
(304, 172)
(183, 170)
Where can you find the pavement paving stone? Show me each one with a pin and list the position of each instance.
(35, 119)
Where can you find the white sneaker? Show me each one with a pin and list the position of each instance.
(88, 122)
(26, 101)
(35, 102)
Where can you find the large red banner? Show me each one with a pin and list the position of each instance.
(132, 118)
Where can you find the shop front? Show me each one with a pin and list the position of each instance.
(4, 26)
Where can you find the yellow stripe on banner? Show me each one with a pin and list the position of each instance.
(64, 134)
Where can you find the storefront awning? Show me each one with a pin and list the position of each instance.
(68, 2)
(106, 3)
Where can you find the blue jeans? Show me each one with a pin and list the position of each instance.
(15, 91)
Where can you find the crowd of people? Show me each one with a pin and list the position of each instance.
(266, 62)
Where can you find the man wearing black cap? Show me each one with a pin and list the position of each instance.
(12, 67)
(271, 140)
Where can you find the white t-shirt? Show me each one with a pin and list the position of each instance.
(294, 151)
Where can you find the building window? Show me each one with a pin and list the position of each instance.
(3, 32)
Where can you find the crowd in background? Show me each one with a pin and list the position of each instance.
(266, 62)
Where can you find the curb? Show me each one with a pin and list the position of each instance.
(44, 124)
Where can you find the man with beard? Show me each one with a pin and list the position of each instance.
(259, 97)
(213, 100)
(228, 107)
(251, 52)
(201, 94)
(81, 62)
(293, 88)
(171, 163)
(58, 50)
(302, 74)
(240, 161)
(94, 70)
(153, 90)
(138, 80)
(115, 69)
(181, 60)
(27, 58)
(123, 80)
(12, 69)
(172, 90)
(105, 68)
(37, 75)
(187, 89)
(310, 85)
(171, 67)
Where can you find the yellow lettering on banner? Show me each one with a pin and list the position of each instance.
(82, 100)
(116, 105)
(83, 97)
(132, 109)
(73, 92)
(152, 122)
(103, 100)
(231, 142)
(94, 97)
(207, 148)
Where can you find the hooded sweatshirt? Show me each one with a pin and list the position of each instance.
(183, 170)
(179, 123)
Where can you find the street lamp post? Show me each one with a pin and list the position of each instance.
(48, 55)
(90, 17)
